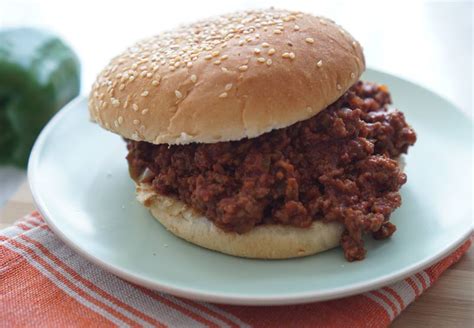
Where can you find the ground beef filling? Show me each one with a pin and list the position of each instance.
(339, 165)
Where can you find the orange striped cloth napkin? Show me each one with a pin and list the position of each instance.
(43, 283)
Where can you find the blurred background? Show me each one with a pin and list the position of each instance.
(427, 42)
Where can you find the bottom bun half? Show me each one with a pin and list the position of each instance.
(264, 242)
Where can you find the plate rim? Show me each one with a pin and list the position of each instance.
(216, 297)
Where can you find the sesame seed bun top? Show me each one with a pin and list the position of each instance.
(226, 78)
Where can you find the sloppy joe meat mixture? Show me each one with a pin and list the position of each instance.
(340, 165)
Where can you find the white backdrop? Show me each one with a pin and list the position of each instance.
(428, 42)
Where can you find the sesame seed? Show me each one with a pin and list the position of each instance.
(223, 95)
(256, 50)
(215, 53)
(296, 28)
(243, 68)
(323, 22)
(189, 64)
(144, 93)
(122, 86)
(115, 102)
(285, 55)
(217, 62)
(145, 111)
(271, 51)
(154, 83)
(120, 120)
(319, 63)
(135, 107)
(309, 40)
(207, 57)
(261, 59)
(134, 66)
(354, 44)
(248, 39)
(338, 87)
(125, 104)
(224, 57)
(241, 42)
(292, 55)
(265, 45)
(269, 61)
(136, 122)
(277, 31)
(353, 75)
(228, 87)
(224, 69)
(193, 78)
(178, 94)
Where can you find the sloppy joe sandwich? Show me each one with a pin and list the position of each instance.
(252, 135)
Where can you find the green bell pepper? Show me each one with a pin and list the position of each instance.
(39, 74)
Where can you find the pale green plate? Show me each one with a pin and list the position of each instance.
(79, 179)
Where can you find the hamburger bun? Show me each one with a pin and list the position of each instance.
(226, 78)
(264, 242)
(223, 79)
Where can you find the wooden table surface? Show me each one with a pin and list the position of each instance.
(449, 303)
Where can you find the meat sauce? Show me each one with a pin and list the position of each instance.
(340, 165)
